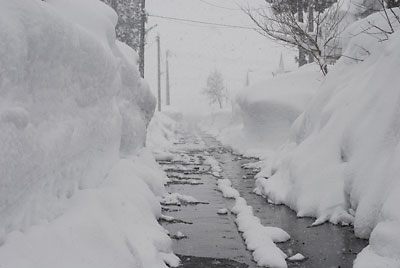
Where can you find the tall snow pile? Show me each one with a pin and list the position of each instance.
(264, 112)
(163, 132)
(73, 115)
(342, 163)
(163, 129)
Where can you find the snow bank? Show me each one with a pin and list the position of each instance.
(162, 131)
(264, 113)
(342, 162)
(114, 225)
(71, 106)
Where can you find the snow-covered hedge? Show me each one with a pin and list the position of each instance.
(73, 113)
(342, 163)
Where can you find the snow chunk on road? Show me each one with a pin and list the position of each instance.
(222, 211)
(178, 199)
(180, 235)
(216, 169)
(225, 186)
(297, 257)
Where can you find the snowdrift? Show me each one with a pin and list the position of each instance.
(73, 115)
(342, 162)
(263, 113)
(163, 129)
(163, 132)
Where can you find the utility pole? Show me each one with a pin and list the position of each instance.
(168, 97)
(159, 72)
(300, 18)
(247, 83)
(310, 27)
(142, 36)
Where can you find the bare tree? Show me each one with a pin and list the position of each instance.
(393, 3)
(215, 89)
(318, 37)
(389, 11)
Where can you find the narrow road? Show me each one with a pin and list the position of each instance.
(203, 238)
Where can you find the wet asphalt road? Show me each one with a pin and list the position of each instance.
(214, 241)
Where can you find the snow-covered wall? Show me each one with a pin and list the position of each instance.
(71, 104)
(342, 163)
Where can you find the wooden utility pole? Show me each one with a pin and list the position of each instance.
(159, 72)
(142, 36)
(168, 97)
(300, 18)
(310, 27)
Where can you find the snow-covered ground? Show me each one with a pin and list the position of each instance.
(341, 160)
(77, 189)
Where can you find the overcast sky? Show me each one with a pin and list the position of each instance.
(198, 49)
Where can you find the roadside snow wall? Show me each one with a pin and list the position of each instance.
(163, 130)
(263, 114)
(342, 163)
(73, 113)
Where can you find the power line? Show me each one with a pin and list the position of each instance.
(214, 5)
(204, 22)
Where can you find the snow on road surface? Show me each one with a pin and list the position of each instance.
(258, 238)
(177, 199)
